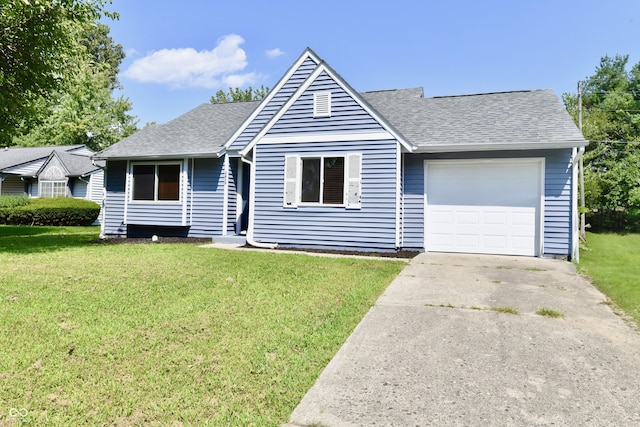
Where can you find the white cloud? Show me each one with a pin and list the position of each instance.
(274, 53)
(191, 68)
(240, 80)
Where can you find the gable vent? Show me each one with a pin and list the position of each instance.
(322, 104)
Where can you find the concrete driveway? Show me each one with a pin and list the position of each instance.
(433, 351)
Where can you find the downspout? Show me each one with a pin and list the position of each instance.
(225, 195)
(80, 178)
(252, 197)
(576, 161)
(103, 203)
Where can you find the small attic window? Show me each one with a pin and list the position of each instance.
(322, 104)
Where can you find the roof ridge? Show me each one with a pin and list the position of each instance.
(393, 90)
(488, 93)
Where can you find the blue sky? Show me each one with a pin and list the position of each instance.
(181, 53)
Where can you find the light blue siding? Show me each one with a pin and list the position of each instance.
(160, 214)
(204, 201)
(346, 115)
(96, 187)
(278, 100)
(78, 188)
(208, 195)
(557, 196)
(413, 202)
(115, 181)
(370, 228)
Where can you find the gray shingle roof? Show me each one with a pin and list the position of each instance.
(14, 156)
(76, 164)
(519, 118)
(514, 118)
(201, 131)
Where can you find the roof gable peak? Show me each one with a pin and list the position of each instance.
(307, 54)
(324, 67)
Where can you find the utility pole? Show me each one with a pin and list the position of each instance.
(583, 233)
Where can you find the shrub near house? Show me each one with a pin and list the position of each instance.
(51, 211)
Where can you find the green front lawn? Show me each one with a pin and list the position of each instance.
(612, 261)
(168, 334)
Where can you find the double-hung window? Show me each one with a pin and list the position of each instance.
(156, 182)
(331, 180)
(53, 188)
(323, 180)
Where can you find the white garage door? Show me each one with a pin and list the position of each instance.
(483, 206)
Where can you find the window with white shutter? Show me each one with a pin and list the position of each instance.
(291, 181)
(353, 196)
(323, 180)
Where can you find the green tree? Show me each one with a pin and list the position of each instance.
(611, 122)
(39, 50)
(103, 50)
(240, 95)
(85, 113)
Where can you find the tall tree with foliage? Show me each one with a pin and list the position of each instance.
(84, 111)
(611, 121)
(240, 95)
(39, 50)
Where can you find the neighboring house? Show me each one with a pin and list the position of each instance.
(318, 165)
(60, 171)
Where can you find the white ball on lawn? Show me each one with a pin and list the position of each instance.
(154, 238)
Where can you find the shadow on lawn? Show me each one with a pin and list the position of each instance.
(26, 240)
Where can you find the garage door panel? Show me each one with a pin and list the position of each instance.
(491, 207)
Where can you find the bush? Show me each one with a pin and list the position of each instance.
(13, 201)
(55, 211)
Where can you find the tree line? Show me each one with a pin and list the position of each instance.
(611, 122)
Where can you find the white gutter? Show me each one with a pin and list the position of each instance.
(454, 148)
(252, 198)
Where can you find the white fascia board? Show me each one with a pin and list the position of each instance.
(327, 137)
(164, 156)
(296, 95)
(322, 67)
(449, 148)
(308, 53)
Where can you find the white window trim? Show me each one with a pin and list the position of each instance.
(294, 182)
(53, 186)
(321, 195)
(155, 200)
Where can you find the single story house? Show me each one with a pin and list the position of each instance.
(54, 171)
(317, 164)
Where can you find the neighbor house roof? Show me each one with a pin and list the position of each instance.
(76, 164)
(519, 119)
(202, 131)
(29, 161)
(14, 156)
